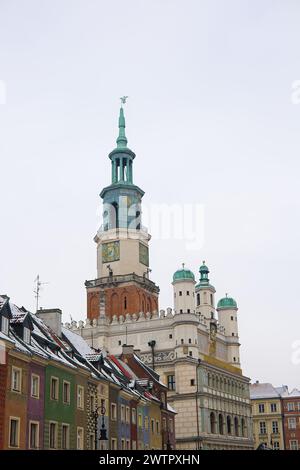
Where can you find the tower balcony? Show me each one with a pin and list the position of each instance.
(116, 280)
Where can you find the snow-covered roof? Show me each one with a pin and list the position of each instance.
(169, 408)
(263, 390)
(77, 342)
(295, 393)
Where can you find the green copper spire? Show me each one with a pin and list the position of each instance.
(122, 140)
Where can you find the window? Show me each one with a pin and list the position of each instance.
(188, 310)
(231, 318)
(276, 445)
(127, 414)
(262, 427)
(133, 416)
(170, 336)
(273, 407)
(180, 293)
(26, 335)
(198, 299)
(211, 300)
(53, 436)
(92, 442)
(65, 437)
(80, 397)
(164, 424)
(294, 445)
(16, 379)
(92, 403)
(127, 444)
(113, 443)
(152, 425)
(275, 427)
(35, 386)
(33, 435)
(113, 409)
(191, 353)
(66, 392)
(79, 438)
(171, 382)
(157, 427)
(292, 423)
(291, 406)
(125, 303)
(14, 432)
(123, 444)
(54, 388)
(146, 423)
(192, 382)
(4, 325)
(122, 413)
(187, 292)
(261, 408)
(133, 445)
(171, 425)
(181, 311)
(119, 342)
(140, 421)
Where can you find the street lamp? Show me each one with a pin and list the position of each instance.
(103, 431)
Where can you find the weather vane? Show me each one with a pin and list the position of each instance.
(123, 99)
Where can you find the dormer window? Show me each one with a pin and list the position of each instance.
(4, 325)
(26, 335)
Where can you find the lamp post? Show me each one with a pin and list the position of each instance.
(152, 344)
(103, 431)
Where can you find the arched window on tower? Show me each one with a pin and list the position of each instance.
(138, 220)
(198, 299)
(115, 215)
(125, 303)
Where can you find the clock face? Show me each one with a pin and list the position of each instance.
(110, 252)
(144, 254)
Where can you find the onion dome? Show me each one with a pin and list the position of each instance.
(183, 274)
(227, 303)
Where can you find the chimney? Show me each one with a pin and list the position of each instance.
(127, 350)
(52, 318)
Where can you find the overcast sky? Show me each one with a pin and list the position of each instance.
(211, 119)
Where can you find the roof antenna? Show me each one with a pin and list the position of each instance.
(38, 289)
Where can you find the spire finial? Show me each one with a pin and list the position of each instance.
(122, 140)
(183, 264)
(203, 262)
(226, 294)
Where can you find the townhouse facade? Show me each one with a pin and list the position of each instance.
(276, 416)
(290, 403)
(57, 393)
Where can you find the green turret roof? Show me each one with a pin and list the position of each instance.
(182, 274)
(204, 280)
(226, 303)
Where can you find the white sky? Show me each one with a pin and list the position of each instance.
(211, 120)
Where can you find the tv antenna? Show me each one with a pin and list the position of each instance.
(37, 290)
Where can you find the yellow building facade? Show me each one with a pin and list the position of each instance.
(267, 416)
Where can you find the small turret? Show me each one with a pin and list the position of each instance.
(205, 302)
(227, 314)
(184, 290)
